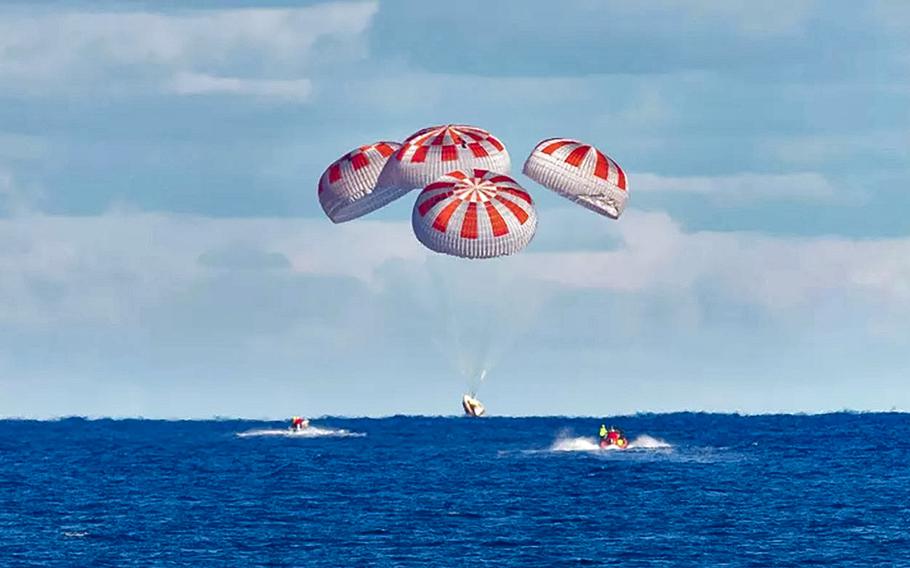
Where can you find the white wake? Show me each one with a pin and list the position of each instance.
(646, 442)
(311, 432)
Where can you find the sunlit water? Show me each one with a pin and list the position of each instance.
(691, 490)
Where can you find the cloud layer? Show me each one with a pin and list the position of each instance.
(247, 50)
(273, 296)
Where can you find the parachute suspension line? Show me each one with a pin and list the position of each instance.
(468, 207)
(455, 344)
(467, 297)
(450, 343)
(489, 320)
(476, 384)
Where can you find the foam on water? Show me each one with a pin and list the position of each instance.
(575, 445)
(311, 432)
(646, 442)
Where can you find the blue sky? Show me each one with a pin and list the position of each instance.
(162, 251)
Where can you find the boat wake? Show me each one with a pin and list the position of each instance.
(645, 442)
(582, 444)
(311, 432)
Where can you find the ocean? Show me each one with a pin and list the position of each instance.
(693, 490)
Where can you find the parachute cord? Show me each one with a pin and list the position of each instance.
(477, 309)
(451, 344)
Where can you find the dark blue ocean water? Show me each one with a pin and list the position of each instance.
(830, 490)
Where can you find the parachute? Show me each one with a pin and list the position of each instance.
(579, 172)
(474, 214)
(347, 189)
(470, 207)
(429, 153)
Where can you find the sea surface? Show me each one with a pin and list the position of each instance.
(694, 490)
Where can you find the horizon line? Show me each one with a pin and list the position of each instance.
(222, 418)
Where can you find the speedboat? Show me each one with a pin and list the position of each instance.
(299, 424)
(472, 406)
(620, 442)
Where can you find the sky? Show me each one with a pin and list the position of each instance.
(163, 253)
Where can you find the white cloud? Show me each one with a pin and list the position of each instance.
(298, 90)
(743, 187)
(109, 268)
(47, 52)
(105, 268)
(777, 274)
(157, 302)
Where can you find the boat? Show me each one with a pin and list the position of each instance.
(299, 424)
(621, 443)
(613, 437)
(472, 406)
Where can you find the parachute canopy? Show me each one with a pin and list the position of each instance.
(429, 153)
(474, 214)
(581, 173)
(347, 189)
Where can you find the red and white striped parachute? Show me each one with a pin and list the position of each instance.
(347, 189)
(581, 173)
(429, 153)
(474, 214)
